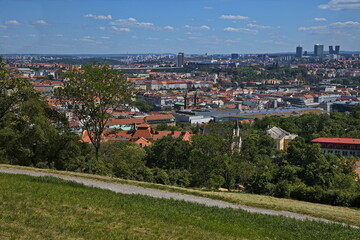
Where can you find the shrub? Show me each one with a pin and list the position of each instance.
(160, 176)
(282, 189)
(179, 177)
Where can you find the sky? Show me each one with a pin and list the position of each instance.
(171, 26)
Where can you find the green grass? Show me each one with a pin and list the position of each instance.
(339, 214)
(50, 208)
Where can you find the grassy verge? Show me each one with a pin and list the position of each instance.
(51, 208)
(338, 214)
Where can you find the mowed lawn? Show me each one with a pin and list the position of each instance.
(50, 208)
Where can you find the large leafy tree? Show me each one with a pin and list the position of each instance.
(13, 91)
(92, 91)
(31, 133)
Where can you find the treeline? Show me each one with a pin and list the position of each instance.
(253, 74)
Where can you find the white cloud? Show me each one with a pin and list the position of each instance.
(242, 30)
(39, 22)
(105, 38)
(259, 26)
(345, 24)
(87, 39)
(12, 22)
(132, 22)
(203, 27)
(98, 17)
(193, 38)
(84, 39)
(102, 28)
(319, 19)
(120, 29)
(233, 17)
(336, 25)
(341, 5)
(4, 36)
(208, 8)
(59, 35)
(236, 40)
(152, 38)
(3, 26)
(32, 35)
(169, 28)
(134, 37)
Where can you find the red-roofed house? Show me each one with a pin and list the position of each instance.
(169, 119)
(143, 135)
(342, 146)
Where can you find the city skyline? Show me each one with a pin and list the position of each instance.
(209, 26)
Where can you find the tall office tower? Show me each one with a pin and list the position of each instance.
(331, 50)
(299, 52)
(318, 50)
(180, 60)
(337, 49)
(234, 56)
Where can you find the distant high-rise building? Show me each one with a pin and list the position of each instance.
(180, 60)
(337, 49)
(299, 52)
(331, 50)
(234, 56)
(318, 50)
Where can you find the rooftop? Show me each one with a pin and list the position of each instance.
(355, 141)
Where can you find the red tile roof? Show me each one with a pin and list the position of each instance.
(125, 121)
(355, 141)
(159, 116)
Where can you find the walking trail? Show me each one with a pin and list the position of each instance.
(130, 189)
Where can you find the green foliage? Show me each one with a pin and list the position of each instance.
(168, 153)
(254, 74)
(13, 91)
(31, 133)
(143, 106)
(124, 159)
(165, 127)
(92, 91)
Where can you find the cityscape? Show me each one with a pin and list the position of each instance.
(184, 119)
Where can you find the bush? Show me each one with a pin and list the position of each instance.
(160, 176)
(282, 189)
(356, 201)
(179, 177)
(260, 183)
(300, 192)
(215, 181)
(338, 198)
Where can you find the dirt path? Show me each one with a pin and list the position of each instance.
(130, 189)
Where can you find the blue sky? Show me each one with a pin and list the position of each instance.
(171, 26)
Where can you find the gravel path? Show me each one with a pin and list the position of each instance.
(130, 189)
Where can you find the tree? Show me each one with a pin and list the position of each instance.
(143, 106)
(92, 91)
(13, 91)
(124, 160)
(169, 153)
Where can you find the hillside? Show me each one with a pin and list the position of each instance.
(50, 208)
(282, 206)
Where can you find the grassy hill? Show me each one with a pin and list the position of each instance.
(50, 208)
(339, 214)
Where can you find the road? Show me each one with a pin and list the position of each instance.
(131, 189)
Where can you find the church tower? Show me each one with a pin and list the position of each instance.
(186, 100)
(236, 141)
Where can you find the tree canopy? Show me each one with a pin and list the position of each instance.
(92, 91)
